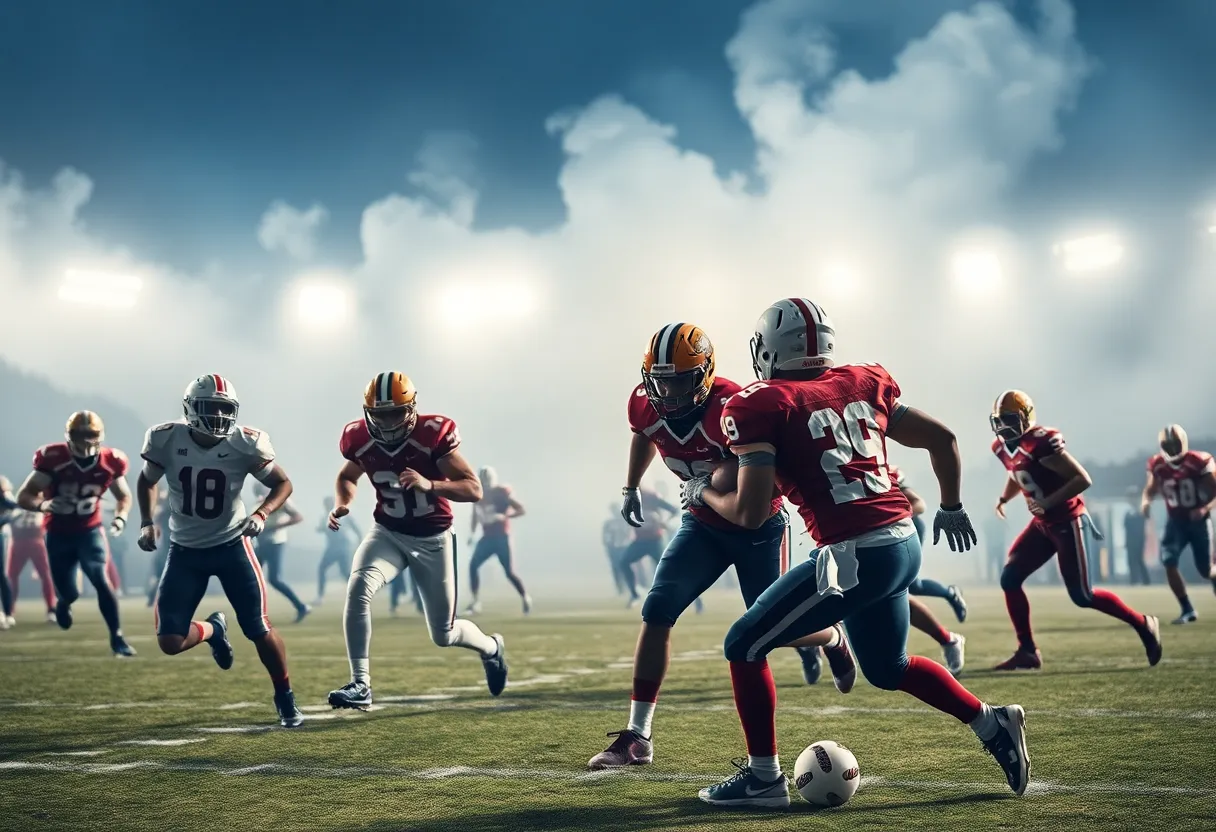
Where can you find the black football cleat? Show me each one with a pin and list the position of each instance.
(63, 615)
(120, 648)
(221, 647)
(812, 667)
(496, 667)
(289, 714)
(354, 695)
(1008, 747)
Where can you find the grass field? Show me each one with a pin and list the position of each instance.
(91, 742)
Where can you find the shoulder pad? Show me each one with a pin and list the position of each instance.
(51, 456)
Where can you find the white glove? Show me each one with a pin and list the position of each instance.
(117, 525)
(631, 508)
(960, 534)
(255, 525)
(690, 491)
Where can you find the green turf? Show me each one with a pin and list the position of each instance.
(1115, 745)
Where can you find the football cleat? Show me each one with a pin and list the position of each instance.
(289, 714)
(496, 667)
(302, 613)
(4, 625)
(120, 648)
(746, 789)
(52, 618)
(1023, 659)
(840, 659)
(473, 608)
(527, 604)
(954, 652)
(221, 647)
(354, 695)
(63, 615)
(955, 599)
(628, 749)
(1008, 747)
(812, 668)
(1150, 634)
(1188, 617)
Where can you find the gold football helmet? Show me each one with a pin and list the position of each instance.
(678, 370)
(85, 433)
(1012, 415)
(390, 408)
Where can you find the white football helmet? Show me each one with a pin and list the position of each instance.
(488, 477)
(210, 405)
(1173, 442)
(792, 334)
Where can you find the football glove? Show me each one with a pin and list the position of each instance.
(690, 491)
(960, 534)
(631, 508)
(147, 538)
(117, 525)
(255, 525)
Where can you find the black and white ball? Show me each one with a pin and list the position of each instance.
(826, 774)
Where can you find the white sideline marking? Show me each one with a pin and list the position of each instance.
(237, 729)
(448, 772)
(184, 741)
(92, 753)
(236, 706)
(420, 697)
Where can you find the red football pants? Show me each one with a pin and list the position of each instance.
(32, 552)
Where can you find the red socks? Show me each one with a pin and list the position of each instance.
(756, 702)
(932, 684)
(645, 690)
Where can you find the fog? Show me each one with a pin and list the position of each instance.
(864, 193)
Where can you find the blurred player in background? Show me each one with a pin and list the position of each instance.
(1135, 538)
(494, 512)
(66, 485)
(1186, 480)
(205, 458)
(414, 463)
(29, 546)
(339, 546)
(8, 505)
(616, 534)
(270, 547)
(675, 414)
(819, 431)
(927, 586)
(1052, 481)
(649, 536)
(160, 523)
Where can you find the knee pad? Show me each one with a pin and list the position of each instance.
(443, 637)
(1010, 579)
(1080, 597)
(888, 675)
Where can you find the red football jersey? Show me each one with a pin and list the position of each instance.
(495, 501)
(702, 450)
(898, 479)
(830, 436)
(80, 487)
(27, 525)
(1182, 482)
(1024, 462)
(413, 512)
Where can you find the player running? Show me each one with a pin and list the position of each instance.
(927, 586)
(66, 485)
(1052, 480)
(205, 458)
(820, 431)
(494, 512)
(649, 538)
(1186, 480)
(415, 466)
(676, 413)
(339, 546)
(29, 546)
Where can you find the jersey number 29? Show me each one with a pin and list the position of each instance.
(852, 444)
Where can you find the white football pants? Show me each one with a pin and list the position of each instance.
(381, 556)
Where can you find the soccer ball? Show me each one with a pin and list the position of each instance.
(826, 774)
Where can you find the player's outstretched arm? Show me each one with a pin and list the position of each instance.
(29, 495)
(1076, 480)
(751, 503)
(1150, 491)
(462, 484)
(917, 429)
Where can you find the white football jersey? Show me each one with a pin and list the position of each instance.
(205, 483)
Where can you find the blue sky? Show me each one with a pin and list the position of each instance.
(192, 117)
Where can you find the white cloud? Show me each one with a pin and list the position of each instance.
(886, 175)
(290, 230)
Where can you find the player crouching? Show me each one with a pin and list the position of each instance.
(207, 457)
(416, 469)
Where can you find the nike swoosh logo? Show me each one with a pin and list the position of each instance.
(221, 456)
(750, 792)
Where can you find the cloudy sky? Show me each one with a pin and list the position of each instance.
(515, 196)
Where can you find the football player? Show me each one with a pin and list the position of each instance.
(1052, 481)
(649, 535)
(205, 458)
(927, 586)
(29, 546)
(494, 512)
(414, 463)
(66, 485)
(1186, 480)
(339, 546)
(616, 535)
(819, 431)
(675, 413)
(270, 551)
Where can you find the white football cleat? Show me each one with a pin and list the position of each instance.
(954, 652)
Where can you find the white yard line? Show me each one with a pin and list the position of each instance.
(449, 772)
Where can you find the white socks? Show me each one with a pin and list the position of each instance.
(985, 725)
(641, 717)
(767, 769)
(361, 671)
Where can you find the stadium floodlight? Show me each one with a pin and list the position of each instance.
(1093, 253)
(322, 304)
(840, 278)
(108, 290)
(977, 270)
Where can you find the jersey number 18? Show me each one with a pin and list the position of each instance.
(202, 496)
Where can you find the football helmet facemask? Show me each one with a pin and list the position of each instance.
(390, 408)
(1012, 415)
(84, 434)
(1173, 442)
(211, 406)
(678, 370)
